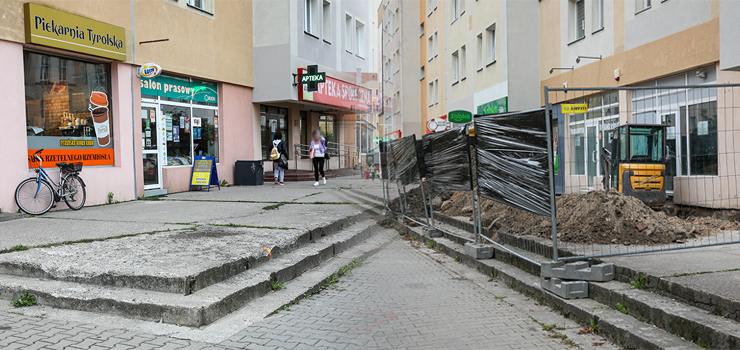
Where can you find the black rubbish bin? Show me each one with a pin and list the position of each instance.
(249, 173)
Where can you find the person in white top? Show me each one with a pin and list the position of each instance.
(317, 152)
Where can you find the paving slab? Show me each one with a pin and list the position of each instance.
(40, 231)
(665, 264)
(303, 216)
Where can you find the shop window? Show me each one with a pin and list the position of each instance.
(272, 120)
(180, 145)
(326, 126)
(68, 113)
(702, 123)
(577, 149)
(205, 136)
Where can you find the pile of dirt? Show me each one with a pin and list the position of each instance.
(595, 217)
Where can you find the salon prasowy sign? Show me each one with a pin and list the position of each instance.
(338, 93)
(54, 28)
(182, 89)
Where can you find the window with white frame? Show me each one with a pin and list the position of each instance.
(204, 5)
(311, 18)
(348, 29)
(491, 43)
(641, 5)
(359, 39)
(455, 67)
(463, 63)
(423, 74)
(454, 14)
(436, 45)
(597, 15)
(479, 47)
(436, 91)
(398, 56)
(579, 16)
(430, 93)
(396, 21)
(430, 7)
(421, 30)
(326, 19)
(430, 47)
(462, 6)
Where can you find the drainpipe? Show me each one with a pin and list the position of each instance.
(133, 106)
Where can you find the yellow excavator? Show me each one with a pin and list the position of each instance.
(636, 163)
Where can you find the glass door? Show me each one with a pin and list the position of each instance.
(673, 152)
(152, 167)
(592, 159)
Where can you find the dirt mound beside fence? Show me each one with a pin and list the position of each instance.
(595, 217)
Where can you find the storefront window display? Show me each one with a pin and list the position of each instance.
(68, 109)
(179, 146)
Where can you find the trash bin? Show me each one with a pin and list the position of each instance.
(249, 173)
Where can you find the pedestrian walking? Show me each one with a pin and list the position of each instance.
(279, 157)
(317, 154)
(372, 172)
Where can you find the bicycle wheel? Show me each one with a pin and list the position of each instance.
(34, 196)
(74, 192)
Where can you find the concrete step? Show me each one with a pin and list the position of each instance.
(199, 308)
(104, 265)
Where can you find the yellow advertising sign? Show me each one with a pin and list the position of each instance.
(574, 108)
(201, 172)
(50, 27)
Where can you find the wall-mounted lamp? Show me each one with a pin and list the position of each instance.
(560, 68)
(578, 59)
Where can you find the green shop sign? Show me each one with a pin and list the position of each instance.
(459, 117)
(183, 89)
(498, 106)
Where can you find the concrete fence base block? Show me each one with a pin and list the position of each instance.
(433, 232)
(565, 289)
(578, 271)
(478, 251)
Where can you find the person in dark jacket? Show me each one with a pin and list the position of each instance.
(282, 149)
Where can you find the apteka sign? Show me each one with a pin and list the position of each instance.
(338, 93)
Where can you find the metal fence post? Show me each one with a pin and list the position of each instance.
(431, 206)
(424, 199)
(550, 154)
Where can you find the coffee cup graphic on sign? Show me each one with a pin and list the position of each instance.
(101, 121)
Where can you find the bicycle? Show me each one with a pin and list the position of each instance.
(37, 195)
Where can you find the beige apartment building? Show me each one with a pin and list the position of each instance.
(71, 86)
(651, 44)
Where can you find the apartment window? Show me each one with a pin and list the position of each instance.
(430, 7)
(359, 39)
(203, 5)
(436, 91)
(397, 55)
(326, 18)
(311, 17)
(463, 63)
(421, 30)
(462, 6)
(491, 43)
(641, 5)
(479, 46)
(395, 20)
(455, 67)
(436, 45)
(430, 93)
(455, 6)
(580, 24)
(430, 47)
(598, 15)
(348, 26)
(423, 74)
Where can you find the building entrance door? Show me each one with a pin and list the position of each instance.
(150, 146)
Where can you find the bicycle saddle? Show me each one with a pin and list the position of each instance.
(61, 164)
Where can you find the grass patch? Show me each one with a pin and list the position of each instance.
(550, 327)
(457, 258)
(621, 308)
(640, 282)
(18, 248)
(430, 244)
(26, 299)
(347, 269)
(702, 345)
(252, 226)
(275, 285)
(592, 329)
(274, 206)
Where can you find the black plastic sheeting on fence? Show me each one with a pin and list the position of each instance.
(402, 159)
(384, 170)
(420, 154)
(512, 160)
(447, 160)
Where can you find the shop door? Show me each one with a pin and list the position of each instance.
(273, 124)
(152, 151)
(592, 153)
(673, 152)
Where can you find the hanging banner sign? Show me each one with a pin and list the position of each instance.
(54, 28)
(204, 173)
(460, 117)
(574, 108)
(338, 93)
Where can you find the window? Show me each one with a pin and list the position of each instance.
(598, 15)
(326, 126)
(455, 7)
(455, 67)
(312, 17)
(397, 55)
(205, 137)
(421, 31)
(580, 24)
(326, 18)
(436, 45)
(491, 44)
(479, 44)
(436, 91)
(272, 120)
(423, 74)
(641, 5)
(430, 7)
(359, 39)
(702, 123)
(462, 6)
(396, 21)
(203, 5)
(430, 93)
(463, 63)
(66, 113)
(348, 28)
(430, 47)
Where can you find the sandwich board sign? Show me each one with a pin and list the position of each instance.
(204, 173)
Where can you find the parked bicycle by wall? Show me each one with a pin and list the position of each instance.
(37, 195)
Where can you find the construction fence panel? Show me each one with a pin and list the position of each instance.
(647, 168)
(447, 160)
(403, 160)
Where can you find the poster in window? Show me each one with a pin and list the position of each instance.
(702, 128)
(176, 133)
(186, 127)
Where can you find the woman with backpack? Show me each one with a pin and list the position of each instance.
(278, 155)
(317, 153)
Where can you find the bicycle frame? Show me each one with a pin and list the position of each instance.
(58, 188)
